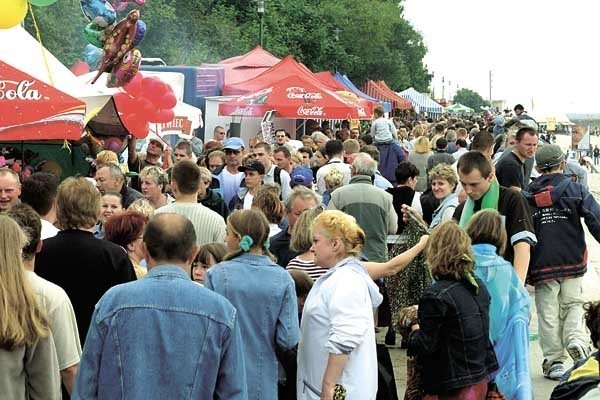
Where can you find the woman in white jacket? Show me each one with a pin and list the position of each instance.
(337, 346)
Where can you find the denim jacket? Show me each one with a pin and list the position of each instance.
(265, 298)
(162, 337)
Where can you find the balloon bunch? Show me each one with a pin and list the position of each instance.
(120, 57)
(14, 11)
(145, 100)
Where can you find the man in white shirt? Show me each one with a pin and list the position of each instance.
(274, 174)
(334, 150)
(39, 192)
(229, 177)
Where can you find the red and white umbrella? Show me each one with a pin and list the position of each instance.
(32, 110)
(295, 97)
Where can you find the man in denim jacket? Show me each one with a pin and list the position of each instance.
(559, 261)
(164, 336)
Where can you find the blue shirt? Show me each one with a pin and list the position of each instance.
(265, 297)
(162, 337)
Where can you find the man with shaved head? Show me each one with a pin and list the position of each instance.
(177, 339)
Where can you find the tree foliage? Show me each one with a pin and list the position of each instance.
(373, 41)
(470, 98)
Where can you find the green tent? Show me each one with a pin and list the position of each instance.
(458, 108)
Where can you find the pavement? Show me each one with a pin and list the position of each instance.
(542, 387)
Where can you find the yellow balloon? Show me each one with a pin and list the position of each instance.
(12, 12)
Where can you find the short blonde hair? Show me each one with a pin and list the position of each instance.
(422, 145)
(107, 156)
(158, 175)
(142, 205)
(444, 172)
(205, 174)
(337, 224)
(333, 178)
(449, 253)
(78, 204)
(351, 146)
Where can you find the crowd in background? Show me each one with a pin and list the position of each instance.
(262, 270)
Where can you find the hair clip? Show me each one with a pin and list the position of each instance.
(267, 244)
(246, 243)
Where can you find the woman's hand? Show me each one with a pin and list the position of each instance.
(327, 391)
(406, 210)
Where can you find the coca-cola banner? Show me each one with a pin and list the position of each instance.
(298, 97)
(33, 110)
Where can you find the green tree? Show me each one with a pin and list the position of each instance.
(470, 98)
(365, 40)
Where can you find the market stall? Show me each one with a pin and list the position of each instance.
(422, 102)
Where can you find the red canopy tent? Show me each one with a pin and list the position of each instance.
(386, 94)
(247, 66)
(297, 97)
(326, 77)
(33, 110)
(286, 68)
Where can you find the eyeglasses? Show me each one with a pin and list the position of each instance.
(232, 151)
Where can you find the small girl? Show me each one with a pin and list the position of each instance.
(209, 255)
(451, 339)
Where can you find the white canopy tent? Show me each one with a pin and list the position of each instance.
(22, 51)
(422, 102)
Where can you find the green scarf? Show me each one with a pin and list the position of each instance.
(489, 201)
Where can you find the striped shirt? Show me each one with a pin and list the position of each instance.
(307, 266)
(209, 226)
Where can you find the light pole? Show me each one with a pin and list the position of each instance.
(336, 32)
(261, 13)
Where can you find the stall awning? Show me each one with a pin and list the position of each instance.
(376, 90)
(422, 101)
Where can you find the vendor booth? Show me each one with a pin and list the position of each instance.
(422, 102)
(375, 89)
(344, 80)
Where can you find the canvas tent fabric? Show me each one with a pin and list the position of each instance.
(22, 51)
(246, 66)
(344, 80)
(373, 89)
(422, 101)
(298, 97)
(404, 104)
(288, 67)
(32, 110)
(458, 108)
(328, 79)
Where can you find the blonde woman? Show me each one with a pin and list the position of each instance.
(154, 182)
(334, 178)
(337, 351)
(419, 157)
(28, 363)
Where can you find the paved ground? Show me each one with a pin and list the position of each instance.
(542, 386)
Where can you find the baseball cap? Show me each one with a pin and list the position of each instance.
(548, 156)
(252, 166)
(158, 142)
(234, 143)
(301, 176)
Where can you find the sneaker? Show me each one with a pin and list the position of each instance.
(554, 371)
(577, 351)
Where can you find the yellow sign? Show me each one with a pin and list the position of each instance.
(354, 123)
(551, 124)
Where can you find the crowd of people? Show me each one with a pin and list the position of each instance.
(258, 270)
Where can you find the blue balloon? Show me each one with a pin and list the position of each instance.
(93, 56)
(100, 12)
(140, 32)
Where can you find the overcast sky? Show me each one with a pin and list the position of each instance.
(545, 50)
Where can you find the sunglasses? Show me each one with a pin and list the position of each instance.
(232, 151)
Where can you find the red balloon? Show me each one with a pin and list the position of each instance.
(125, 103)
(149, 84)
(163, 115)
(136, 125)
(167, 101)
(134, 87)
(144, 106)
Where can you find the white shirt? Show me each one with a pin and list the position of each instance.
(48, 230)
(335, 162)
(286, 189)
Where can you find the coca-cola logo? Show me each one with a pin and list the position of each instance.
(243, 111)
(256, 96)
(311, 111)
(12, 90)
(296, 92)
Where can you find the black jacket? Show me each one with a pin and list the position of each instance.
(452, 345)
(215, 202)
(557, 206)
